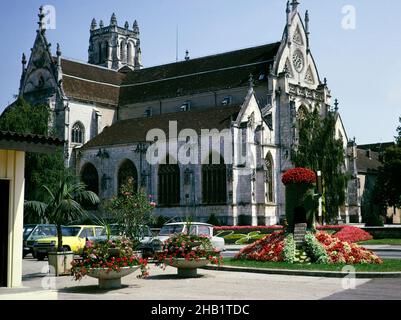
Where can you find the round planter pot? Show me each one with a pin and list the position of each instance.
(187, 269)
(112, 279)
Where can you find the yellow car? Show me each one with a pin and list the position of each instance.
(74, 238)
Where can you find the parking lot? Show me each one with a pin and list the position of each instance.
(213, 285)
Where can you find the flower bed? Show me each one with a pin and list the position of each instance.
(345, 252)
(322, 247)
(270, 248)
(353, 234)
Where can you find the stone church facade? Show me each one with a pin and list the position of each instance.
(105, 109)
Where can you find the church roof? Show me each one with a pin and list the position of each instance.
(367, 160)
(216, 72)
(88, 82)
(135, 130)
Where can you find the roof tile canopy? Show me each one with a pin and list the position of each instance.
(28, 142)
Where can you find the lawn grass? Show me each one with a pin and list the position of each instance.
(381, 242)
(389, 265)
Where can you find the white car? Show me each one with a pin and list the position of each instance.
(197, 228)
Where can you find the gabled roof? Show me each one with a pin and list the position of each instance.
(217, 72)
(377, 147)
(89, 82)
(135, 130)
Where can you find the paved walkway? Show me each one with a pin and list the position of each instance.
(210, 285)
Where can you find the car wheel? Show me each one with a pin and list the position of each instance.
(34, 255)
(41, 256)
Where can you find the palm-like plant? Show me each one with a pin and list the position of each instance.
(62, 203)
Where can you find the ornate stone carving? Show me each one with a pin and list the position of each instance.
(298, 60)
(309, 76)
(297, 38)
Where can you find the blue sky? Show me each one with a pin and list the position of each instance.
(363, 66)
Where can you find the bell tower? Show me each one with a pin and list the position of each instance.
(114, 47)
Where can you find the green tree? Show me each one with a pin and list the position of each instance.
(62, 203)
(40, 169)
(387, 191)
(318, 149)
(132, 210)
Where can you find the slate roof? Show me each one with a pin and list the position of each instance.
(91, 83)
(376, 147)
(216, 72)
(365, 164)
(135, 130)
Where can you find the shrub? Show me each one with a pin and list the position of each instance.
(213, 220)
(289, 249)
(315, 250)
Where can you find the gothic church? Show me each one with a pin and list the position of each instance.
(104, 109)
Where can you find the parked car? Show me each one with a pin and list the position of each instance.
(197, 228)
(146, 245)
(74, 238)
(34, 232)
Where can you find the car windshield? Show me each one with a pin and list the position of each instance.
(27, 231)
(70, 231)
(170, 229)
(44, 231)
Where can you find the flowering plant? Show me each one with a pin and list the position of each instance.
(270, 248)
(299, 175)
(188, 247)
(345, 252)
(111, 255)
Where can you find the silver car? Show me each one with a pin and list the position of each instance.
(196, 228)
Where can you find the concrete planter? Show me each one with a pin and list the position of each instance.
(187, 269)
(60, 262)
(112, 279)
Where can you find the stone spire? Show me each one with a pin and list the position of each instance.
(23, 62)
(126, 25)
(135, 28)
(101, 24)
(41, 22)
(251, 82)
(59, 72)
(294, 5)
(307, 29)
(93, 24)
(113, 20)
(336, 103)
(288, 13)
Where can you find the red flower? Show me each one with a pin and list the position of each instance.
(299, 175)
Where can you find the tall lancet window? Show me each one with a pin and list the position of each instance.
(169, 184)
(78, 133)
(214, 182)
(269, 180)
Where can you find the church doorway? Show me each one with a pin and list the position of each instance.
(4, 216)
(299, 215)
